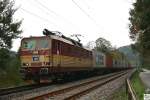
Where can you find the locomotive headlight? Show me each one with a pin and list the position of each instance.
(25, 64)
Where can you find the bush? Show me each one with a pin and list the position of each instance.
(4, 58)
(9, 69)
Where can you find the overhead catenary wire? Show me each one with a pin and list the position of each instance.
(85, 12)
(48, 11)
(37, 16)
(51, 11)
(90, 8)
(56, 14)
(85, 3)
(33, 3)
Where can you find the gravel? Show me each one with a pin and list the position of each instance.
(105, 91)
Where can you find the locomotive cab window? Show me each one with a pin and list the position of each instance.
(30, 44)
(43, 44)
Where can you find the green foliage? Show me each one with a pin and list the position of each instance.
(9, 75)
(90, 45)
(137, 85)
(140, 28)
(103, 45)
(139, 17)
(4, 58)
(9, 29)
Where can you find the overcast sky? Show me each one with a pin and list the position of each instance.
(90, 18)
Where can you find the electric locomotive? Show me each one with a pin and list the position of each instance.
(55, 56)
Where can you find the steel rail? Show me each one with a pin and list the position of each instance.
(76, 95)
(20, 89)
(64, 90)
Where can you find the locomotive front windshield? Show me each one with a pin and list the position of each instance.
(35, 44)
(29, 44)
(43, 44)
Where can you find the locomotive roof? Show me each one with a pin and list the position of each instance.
(66, 40)
(58, 35)
(52, 36)
(35, 37)
(69, 41)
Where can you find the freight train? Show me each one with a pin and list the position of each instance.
(56, 56)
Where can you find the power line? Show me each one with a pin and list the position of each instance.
(47, 8)
(85, 3)
(38, 6)
(37, 16)
(85, 12)
(51, 11)
(56, 14)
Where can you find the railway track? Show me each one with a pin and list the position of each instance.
(75, 91)
(53, 91)
(20, 89)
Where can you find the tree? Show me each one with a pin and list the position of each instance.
(9, 29)
(103, 45)
(140, 28)
(90, 45)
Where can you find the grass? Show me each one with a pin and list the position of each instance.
(137, 85)
(10, 79)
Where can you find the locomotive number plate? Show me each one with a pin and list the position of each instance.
(35, 58)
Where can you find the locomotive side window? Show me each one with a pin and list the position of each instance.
(30, 44)
(43, 44)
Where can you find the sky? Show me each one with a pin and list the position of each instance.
(90, 18)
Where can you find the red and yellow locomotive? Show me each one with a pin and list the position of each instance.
(52, 55)
(56, 56)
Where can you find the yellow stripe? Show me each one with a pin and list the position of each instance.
(28, 59)
(67, 61)
(64, 61)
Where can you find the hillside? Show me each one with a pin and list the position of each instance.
(131, 55)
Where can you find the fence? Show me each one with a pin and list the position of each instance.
(130, 91)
